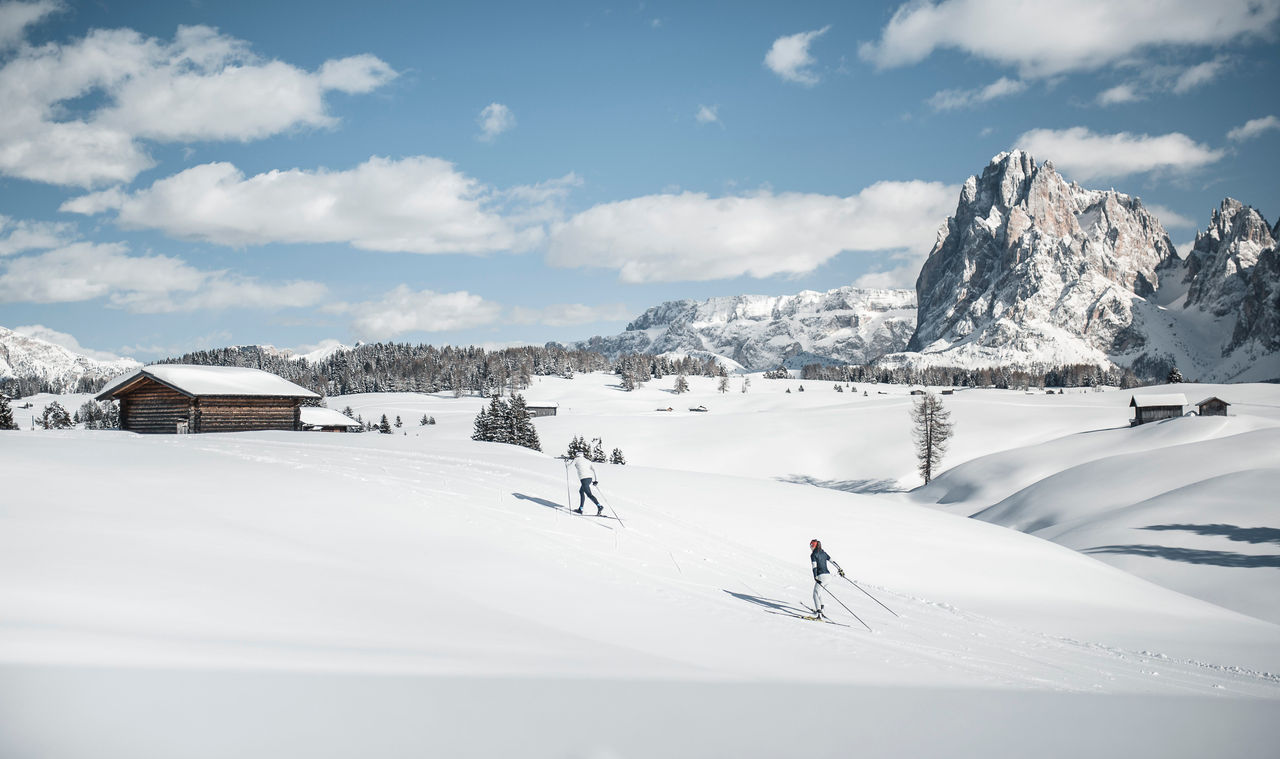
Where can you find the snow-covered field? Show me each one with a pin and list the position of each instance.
(312, 594)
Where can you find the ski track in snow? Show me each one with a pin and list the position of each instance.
(947, 638)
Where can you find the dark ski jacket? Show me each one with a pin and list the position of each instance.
(819, 559)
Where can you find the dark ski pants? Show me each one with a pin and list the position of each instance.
(584, 493)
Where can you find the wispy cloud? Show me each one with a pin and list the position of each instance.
(418, 204)
(1253, 128)
(789, 57)
(1157, 79)
(404, 310)
(141, 284)
(495, 119)
(692, 237)
(948, 100)
(708, 114)
(16, 17)
(1085, 155)
(1086, 34)
(19, 235)
(203, 85)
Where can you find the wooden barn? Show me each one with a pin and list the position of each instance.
(542, 409)
(1153, 408)
(326, 420)
(177, 398)
(1212, 406)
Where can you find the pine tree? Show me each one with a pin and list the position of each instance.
(802, 388)
(384, 426)
(423, 421)
(6, 415)
(597, 452)
(616, 457)
(724, 384)
(399, 423)
(932, 430)
(54, 417)
(746, 383)
(480, 429)
(499, 421)
(682, 384)
(348, 413)
(523, 431)
(1174, 377)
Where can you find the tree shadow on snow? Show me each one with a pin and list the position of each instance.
(1231, 532)
(1192, 555)
(847, 486)
(770, 604)
(539, 501)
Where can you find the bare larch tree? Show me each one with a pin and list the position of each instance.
(931, 429)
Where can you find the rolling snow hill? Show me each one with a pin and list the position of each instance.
(273, 594)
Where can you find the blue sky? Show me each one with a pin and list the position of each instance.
(177, 176)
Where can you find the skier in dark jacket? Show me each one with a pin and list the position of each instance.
(819, 559)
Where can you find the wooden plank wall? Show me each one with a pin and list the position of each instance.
(244, 413)
(154, 408)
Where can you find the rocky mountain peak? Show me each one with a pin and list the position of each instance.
(1027, 258)
(1217, 269)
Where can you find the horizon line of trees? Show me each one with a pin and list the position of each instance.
(1073, 375)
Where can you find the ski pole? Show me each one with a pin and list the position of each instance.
(846, 608)
(873, 598)
(610, 505)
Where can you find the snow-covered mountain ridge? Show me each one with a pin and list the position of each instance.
(1032, 271)
(26, 357)
(847, 325)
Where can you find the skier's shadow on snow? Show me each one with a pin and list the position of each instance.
(539, 501)
(770, 604)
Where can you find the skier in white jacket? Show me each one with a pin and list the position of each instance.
(588, 477)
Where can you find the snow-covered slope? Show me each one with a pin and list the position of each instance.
(847, 325)
(427, 594)
(26, 356)
(1187, 503)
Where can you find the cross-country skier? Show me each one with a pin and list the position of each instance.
(819, 558)
(588, 477)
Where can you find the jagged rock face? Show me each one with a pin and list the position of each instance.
(1259, 320)
(1033, 270)
(30, 357)
(1219, 265)
(845, 325)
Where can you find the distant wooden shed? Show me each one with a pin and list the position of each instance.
(176, 398)
(542, 409)
(1212, 406)
(1153, 408)
(318, 419)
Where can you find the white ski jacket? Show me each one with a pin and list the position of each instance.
(585, 468)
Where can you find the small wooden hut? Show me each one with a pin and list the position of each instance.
(542, 409)
(1212, 406)
(1153, 408)
(320, 419)
(173, 398)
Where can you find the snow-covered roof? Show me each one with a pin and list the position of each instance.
(314, 416)
(212, 380)
(1161, 399)
(550, 404)
(1212, 398)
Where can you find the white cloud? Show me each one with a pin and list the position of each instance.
(495, 119)
(1121, 93)
(947, 100)
(1085, 155)
(201, 86)
(403, 310)
(49, 335)
(789, 57)
(1253, 128)
(1044, 39)
(1169, 218)
(140, 284)
(569, 314)
(690, 236)
(418, 204)
(707, 114)
(1200, 74)
(17, 235)
(16, 17)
